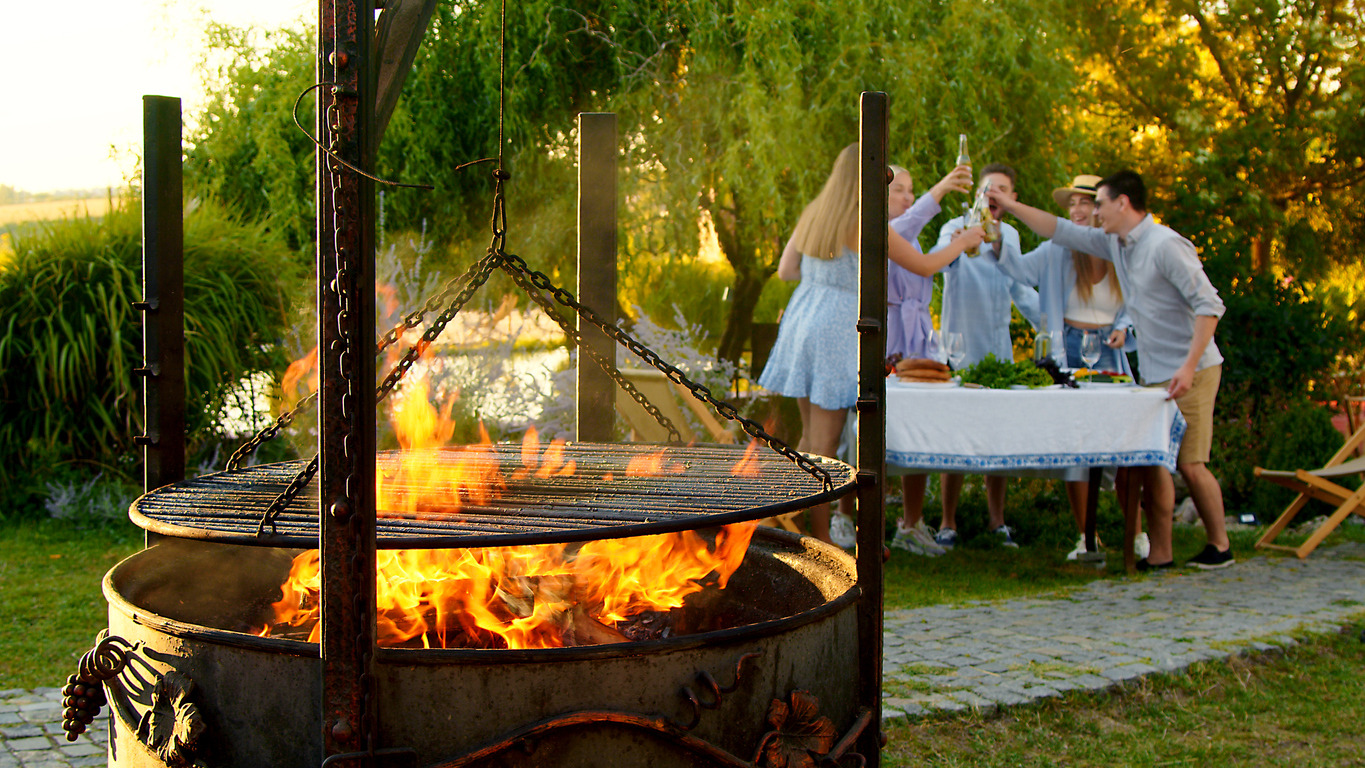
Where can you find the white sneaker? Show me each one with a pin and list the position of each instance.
(1142, 546)
(1079, 550)
(918, 540)
(842, 531)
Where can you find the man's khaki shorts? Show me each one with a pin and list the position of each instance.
(1197, 408)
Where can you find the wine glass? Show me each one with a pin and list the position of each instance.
(955, 347)
(1090, 348)
(933, 347)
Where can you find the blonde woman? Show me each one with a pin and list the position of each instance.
(815, 356)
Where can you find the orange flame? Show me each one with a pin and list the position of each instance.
(303, 371)
(747, 466)
(513, 597)
(522, 597)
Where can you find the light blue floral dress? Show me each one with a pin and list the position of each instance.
(816, 352)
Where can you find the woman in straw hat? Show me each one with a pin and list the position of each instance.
(1082, 291)
(815, 356)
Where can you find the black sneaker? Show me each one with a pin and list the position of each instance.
(1143, 566)
(1211, 558)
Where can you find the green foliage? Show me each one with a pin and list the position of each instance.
(71, 338)
(1244, 116)
(1280, 343)
(994, 373)
(243, 147)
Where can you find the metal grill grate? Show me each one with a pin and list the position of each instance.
(599, 501)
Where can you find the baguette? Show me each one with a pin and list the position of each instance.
(917, 364)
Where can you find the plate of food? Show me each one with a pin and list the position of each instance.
(1088, 377)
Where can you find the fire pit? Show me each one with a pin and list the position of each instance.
(199, 667)
(187, 607)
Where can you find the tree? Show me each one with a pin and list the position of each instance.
(1247, 115)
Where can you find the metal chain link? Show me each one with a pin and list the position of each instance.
(513, 264)
(571, 334)
(347, 345)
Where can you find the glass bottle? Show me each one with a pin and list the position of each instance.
(962, 157)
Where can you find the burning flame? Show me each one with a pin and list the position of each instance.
(524, 597)
(513, 597)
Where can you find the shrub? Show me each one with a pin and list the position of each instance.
(1280, 342)
(71, 338)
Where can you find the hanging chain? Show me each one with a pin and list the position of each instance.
(575, 339)
(515, 264)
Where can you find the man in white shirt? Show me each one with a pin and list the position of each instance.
(1175, 311)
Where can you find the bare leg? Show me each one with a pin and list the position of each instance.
(1075, 495)
(1158, 493)
(822, 432)
(951, 488)
(912, 494)
(995, 500)
(1208, 499)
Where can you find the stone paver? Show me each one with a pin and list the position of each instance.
(982, 656)
(986, 655)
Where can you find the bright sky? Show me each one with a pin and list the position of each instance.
(75, 72)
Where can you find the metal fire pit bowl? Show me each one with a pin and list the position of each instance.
(598, 501)
(700, 699)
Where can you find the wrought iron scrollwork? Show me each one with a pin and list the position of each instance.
(83, 695)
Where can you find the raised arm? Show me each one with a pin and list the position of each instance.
(1041, 222)
(926, 264)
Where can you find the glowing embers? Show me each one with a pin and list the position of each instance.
(548, 596)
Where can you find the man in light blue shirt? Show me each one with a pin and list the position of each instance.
(1175, 311)
(976, 303)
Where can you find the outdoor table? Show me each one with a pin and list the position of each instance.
(950, 428)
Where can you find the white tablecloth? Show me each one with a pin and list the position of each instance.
(974, 430)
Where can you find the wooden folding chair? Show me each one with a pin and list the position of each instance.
(665, 394)
(1318, 484)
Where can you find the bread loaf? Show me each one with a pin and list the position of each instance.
(917, 364)
(925, 374)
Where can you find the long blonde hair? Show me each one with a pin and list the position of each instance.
(1085, 276)
(830, 221)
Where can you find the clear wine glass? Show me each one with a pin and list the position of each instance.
(933, 347)
(956, 348)
(1090, 348)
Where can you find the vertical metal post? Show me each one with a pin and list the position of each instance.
(346, 338)
(874, 178)
(163, 295)
(596, 270)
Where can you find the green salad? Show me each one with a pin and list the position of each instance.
(994, 373)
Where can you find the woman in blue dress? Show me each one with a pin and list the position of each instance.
(815, 357)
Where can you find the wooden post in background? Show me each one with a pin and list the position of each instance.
(596, 271)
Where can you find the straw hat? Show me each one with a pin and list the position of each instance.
(1084, 184)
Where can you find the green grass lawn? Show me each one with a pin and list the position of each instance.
(51, 606)
(1300, 708)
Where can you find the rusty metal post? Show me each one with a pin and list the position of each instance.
(873, 233)
(163, 295)
(596, 270)
(346, 338)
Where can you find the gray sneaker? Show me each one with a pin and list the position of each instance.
(946, 538)
(1002, 536)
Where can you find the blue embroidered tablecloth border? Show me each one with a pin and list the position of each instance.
(971, 464)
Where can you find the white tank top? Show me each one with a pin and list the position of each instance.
(1102, 309)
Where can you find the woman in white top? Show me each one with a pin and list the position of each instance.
(1083, 291)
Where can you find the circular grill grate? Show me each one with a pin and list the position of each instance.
(598, 501)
